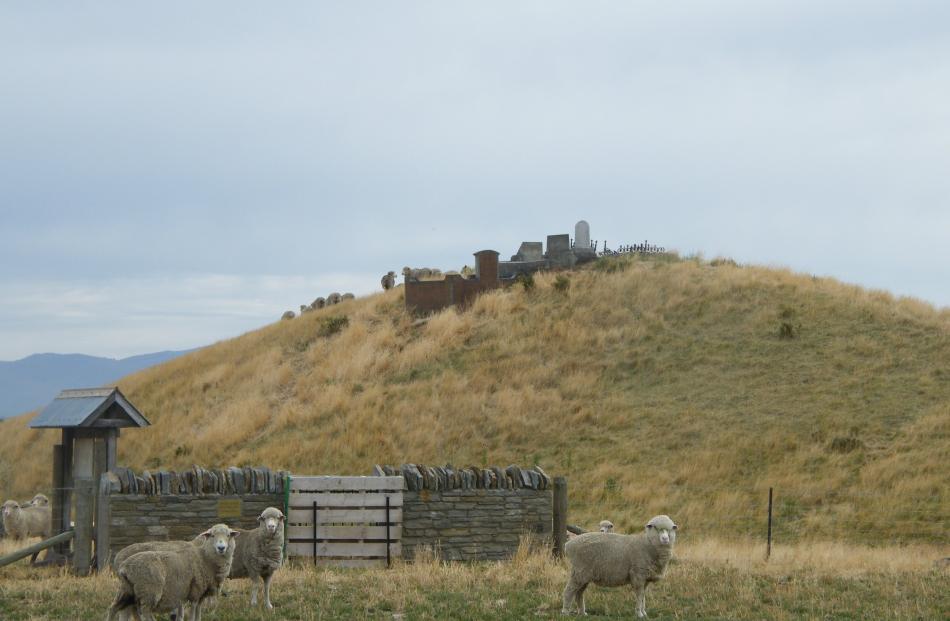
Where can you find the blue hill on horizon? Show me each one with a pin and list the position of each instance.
(32, 382)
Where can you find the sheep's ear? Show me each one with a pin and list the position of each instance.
(233, 533)
(674, 526)
(260, 518)
(649, 525)
(206, 534)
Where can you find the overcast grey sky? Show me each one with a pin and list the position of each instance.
(176, 173)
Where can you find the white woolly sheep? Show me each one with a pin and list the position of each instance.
(347, 296)
(40, 500)
(154, 581)
(606, 526)
(26, 521)
(333, 298)
(259, 553)
(152, 546)
(288, 315)
(318, 303)
(609, 559)
(388, 281)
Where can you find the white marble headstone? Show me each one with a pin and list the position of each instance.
(582, 235)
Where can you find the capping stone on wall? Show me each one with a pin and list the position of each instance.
(472, 513)
(419, 477)
(196, 481)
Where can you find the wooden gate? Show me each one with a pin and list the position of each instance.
(345, 521)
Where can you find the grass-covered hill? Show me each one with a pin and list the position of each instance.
(655, 385)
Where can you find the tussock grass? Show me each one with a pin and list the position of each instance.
(656, 385)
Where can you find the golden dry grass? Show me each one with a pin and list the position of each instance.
(706, 580)
(655, 386)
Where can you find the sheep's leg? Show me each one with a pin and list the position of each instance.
(568, 598)
(254, 580)
(581, 606)
(144, 613)
(267, 603)
(570, 595)
(641, 600)
(196, 611)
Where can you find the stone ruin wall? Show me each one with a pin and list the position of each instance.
(162, 506)
(472, 514)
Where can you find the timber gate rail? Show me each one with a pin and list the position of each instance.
(345, 521)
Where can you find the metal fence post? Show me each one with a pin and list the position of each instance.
(560, 515)
(388, 560)
(768, 548)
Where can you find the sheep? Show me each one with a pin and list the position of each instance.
(609, 559)
(420, 273)
(21, 522)
(288, 315)
(318, 303)
(347, 296)
(40, 500)
(155, 580)
(259, 553)
(152, 546)
(606, 526)
(333, 298)
(388, 281)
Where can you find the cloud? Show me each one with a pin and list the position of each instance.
(121, 317)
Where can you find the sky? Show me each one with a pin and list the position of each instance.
(172, 174)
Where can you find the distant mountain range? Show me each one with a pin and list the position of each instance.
(34, 381)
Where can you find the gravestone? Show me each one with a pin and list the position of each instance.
(560, 253)
(582, 236)
(529, 251)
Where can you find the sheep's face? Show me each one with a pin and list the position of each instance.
(663, 528)
(10, 507)
(40, 500)
(606, 526)
(220, 538)
(271, 519)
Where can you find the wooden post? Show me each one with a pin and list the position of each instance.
(768, 549)
(58, 501)
(85, 492)
(66, 508)
(103, 517)
(560, 515)
(112, 436)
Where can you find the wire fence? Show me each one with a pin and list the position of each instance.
(730, 513)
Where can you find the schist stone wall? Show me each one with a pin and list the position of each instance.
(473, 513)
(164, 506)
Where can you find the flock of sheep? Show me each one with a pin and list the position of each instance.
(167, 576)
(331, 300)
(388, 281)
(27, 519)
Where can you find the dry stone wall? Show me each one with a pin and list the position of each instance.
(472, 513)
(160, 506)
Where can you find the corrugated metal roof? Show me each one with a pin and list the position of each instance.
(83, 407)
